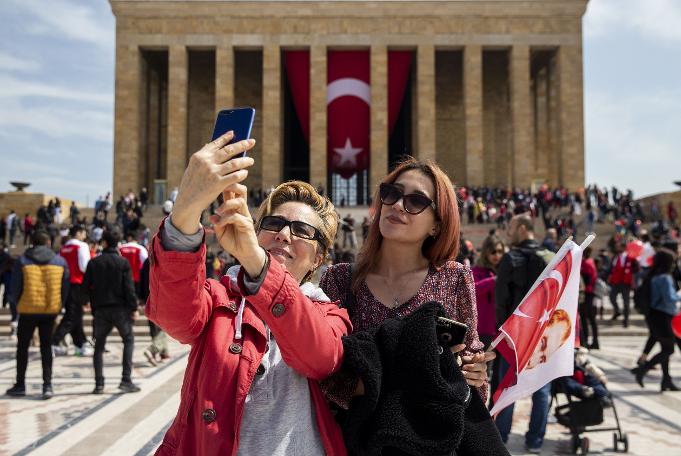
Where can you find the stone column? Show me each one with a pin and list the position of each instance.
(541, 123)
(379, 116)
(127, 120)
(472, 93)
(571, 136)
(425, 100)
(271, 112)
(523, 163)
(318, 111)
(177, 115)
(224, 77)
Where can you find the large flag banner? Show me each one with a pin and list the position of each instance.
(538, 339)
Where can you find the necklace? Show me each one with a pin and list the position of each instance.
(395, 297)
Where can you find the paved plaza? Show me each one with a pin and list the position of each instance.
(76, 422)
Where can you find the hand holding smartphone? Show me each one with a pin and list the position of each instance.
(238, 120)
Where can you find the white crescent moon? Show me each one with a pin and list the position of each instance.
(348, 87)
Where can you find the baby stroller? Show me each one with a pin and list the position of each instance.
(579, 415)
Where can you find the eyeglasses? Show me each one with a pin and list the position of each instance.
(497, 252)
(414, 203)
(299, 229)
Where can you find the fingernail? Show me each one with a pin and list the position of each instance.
(251, 142)
(230, 132)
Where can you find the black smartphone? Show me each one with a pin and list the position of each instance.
(450, 332)
(238, 120)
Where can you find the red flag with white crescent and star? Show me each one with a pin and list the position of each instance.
(537, 340)
(348, 111)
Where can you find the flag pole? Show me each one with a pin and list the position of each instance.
(587, 241)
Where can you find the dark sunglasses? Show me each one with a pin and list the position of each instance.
(414, 203)
(299, 229)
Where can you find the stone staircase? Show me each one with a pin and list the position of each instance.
(141, 327)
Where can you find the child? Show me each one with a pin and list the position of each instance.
(588, 380)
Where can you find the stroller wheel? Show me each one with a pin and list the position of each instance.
(585, 445)
(615, 439)
(575, 443)
(625, 441)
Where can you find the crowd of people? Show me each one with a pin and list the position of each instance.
(386, 272)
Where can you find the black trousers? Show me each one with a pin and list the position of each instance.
(625, 291)
(25, 329)
(661, 329)
(72, 322)
(587, 317)
(105, 319)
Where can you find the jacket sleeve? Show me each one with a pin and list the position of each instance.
(129, 287)
(502, 292)
(465, 297)
(308, 333)
(179, 301)
(17, 285)
(65, 282)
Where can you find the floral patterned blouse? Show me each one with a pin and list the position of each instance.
(451, 285)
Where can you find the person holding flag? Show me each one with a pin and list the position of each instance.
(517, 271)
(536, 340)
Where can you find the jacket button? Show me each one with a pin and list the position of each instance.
(261, 370)
(235, 348)
(278, 310)
(208, 415)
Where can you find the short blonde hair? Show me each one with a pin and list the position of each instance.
(302, 192)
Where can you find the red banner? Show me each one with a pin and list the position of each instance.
(348, 102)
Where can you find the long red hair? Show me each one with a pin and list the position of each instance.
(439, 249)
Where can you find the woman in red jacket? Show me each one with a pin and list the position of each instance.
(260, 340)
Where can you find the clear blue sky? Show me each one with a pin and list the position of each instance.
(57, 85)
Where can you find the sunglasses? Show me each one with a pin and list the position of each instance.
(299, 229)
(414, 203)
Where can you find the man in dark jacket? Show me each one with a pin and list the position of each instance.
(40, 285)
(108, 281)
(517, 271)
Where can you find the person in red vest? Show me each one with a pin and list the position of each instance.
(136, 256)
(77, 255)
(621, 279)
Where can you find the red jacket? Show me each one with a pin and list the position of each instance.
(623, 274)
(588, 269)
(202, 313)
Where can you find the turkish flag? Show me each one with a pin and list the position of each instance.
(538, 339)
(348, 99)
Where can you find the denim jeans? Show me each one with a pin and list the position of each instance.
(541, 403)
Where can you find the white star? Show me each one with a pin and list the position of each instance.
(348, 154)
(545, 317)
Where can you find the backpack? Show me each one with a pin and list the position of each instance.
(536, 262)
(642, 296)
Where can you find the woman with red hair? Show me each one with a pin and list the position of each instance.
(406, 261)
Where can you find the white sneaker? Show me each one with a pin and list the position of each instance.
(58, 350)
(85, 351)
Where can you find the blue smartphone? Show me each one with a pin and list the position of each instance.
(239, 120)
